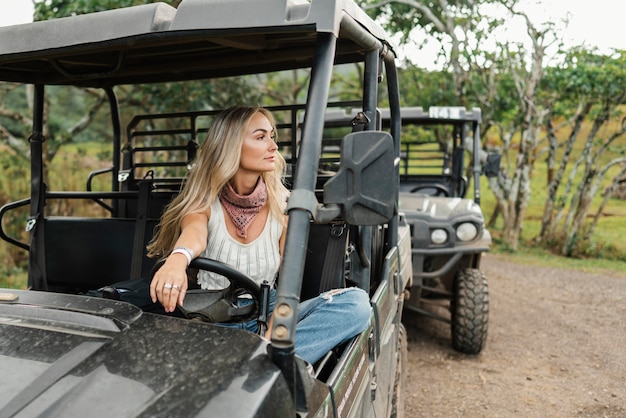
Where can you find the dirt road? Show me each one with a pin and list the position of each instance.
(556, 348)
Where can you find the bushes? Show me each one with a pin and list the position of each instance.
(68, 171)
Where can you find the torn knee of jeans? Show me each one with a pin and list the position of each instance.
(329, 294)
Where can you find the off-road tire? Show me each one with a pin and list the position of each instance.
(399, 385)
(470, 311)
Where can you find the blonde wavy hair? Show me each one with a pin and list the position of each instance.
(215, 164)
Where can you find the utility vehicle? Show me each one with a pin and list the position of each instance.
(72, 344)
(447, 228)
(441, 158)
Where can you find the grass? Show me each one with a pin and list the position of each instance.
(15, 280)
(609, 229)
(606, 247)
(536, 256)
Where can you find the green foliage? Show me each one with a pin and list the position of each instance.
(403, 16)
(171, 97)
(13, 168)
(51, 9)
(586, 76)
(12, 277)
(14, 172)
(15, 95)
(280, 88)
(420, 87)
(346, 83)
(583, 247)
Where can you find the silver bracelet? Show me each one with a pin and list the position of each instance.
(187, 252)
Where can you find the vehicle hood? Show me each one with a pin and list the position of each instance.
(439, 208)
(71, 356)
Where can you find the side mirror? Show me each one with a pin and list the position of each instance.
(491, 166)
(365, 187)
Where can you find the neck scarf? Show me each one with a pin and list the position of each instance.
(243, 209)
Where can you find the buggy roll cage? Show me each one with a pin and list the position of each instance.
(465, 124)
(466, 136)
(158, 43)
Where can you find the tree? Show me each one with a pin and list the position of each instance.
(420, 87)
(591, 87)
(525, 89)
(531, 115)
(458, 26)
(479, 75)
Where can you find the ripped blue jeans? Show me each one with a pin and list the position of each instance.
(330, 319)
(324, 321)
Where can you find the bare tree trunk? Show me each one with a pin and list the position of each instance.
(590, 184)
(583, 202)
(546, 220)
(608, 192)
(548, 224)
(495, 184)
(526, 84)
(517, 207)
(589, 158)
(501, 185)
(571, 185)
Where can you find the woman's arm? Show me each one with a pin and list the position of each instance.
(169, 283)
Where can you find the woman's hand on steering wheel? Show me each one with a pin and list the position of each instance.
(169, 282)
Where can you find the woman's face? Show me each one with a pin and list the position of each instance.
(258, 152)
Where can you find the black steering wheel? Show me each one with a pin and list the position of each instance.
(204, 303)
(439, 190)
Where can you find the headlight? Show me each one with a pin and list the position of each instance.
(466, 231)
(438, 236)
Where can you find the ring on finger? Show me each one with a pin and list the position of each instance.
(167, 286)
(177, 287)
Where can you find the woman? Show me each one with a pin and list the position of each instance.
(231, 209)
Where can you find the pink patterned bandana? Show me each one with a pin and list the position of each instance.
(243, 209)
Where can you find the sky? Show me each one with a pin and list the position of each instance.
(596, 23)
(15, 11)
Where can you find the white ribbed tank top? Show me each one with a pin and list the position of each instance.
(259, 259)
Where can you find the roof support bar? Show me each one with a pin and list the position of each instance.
(36, 262)
(288, 294)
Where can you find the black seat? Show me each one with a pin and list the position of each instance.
(88, 253)
(324, 265)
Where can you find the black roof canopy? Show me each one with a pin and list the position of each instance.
(201, 39)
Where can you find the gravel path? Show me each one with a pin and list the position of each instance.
(556, 348)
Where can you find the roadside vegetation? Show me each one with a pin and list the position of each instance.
(603, 253)
(555, 115)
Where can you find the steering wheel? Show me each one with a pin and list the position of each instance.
(210, 305)
(438, 188)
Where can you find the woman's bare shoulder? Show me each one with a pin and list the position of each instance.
(196, 217)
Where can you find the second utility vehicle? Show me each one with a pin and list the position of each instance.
(448, 234)
(442, 162)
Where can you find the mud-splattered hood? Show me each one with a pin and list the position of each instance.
(69, 356)
(426, 214)
(439, 208)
